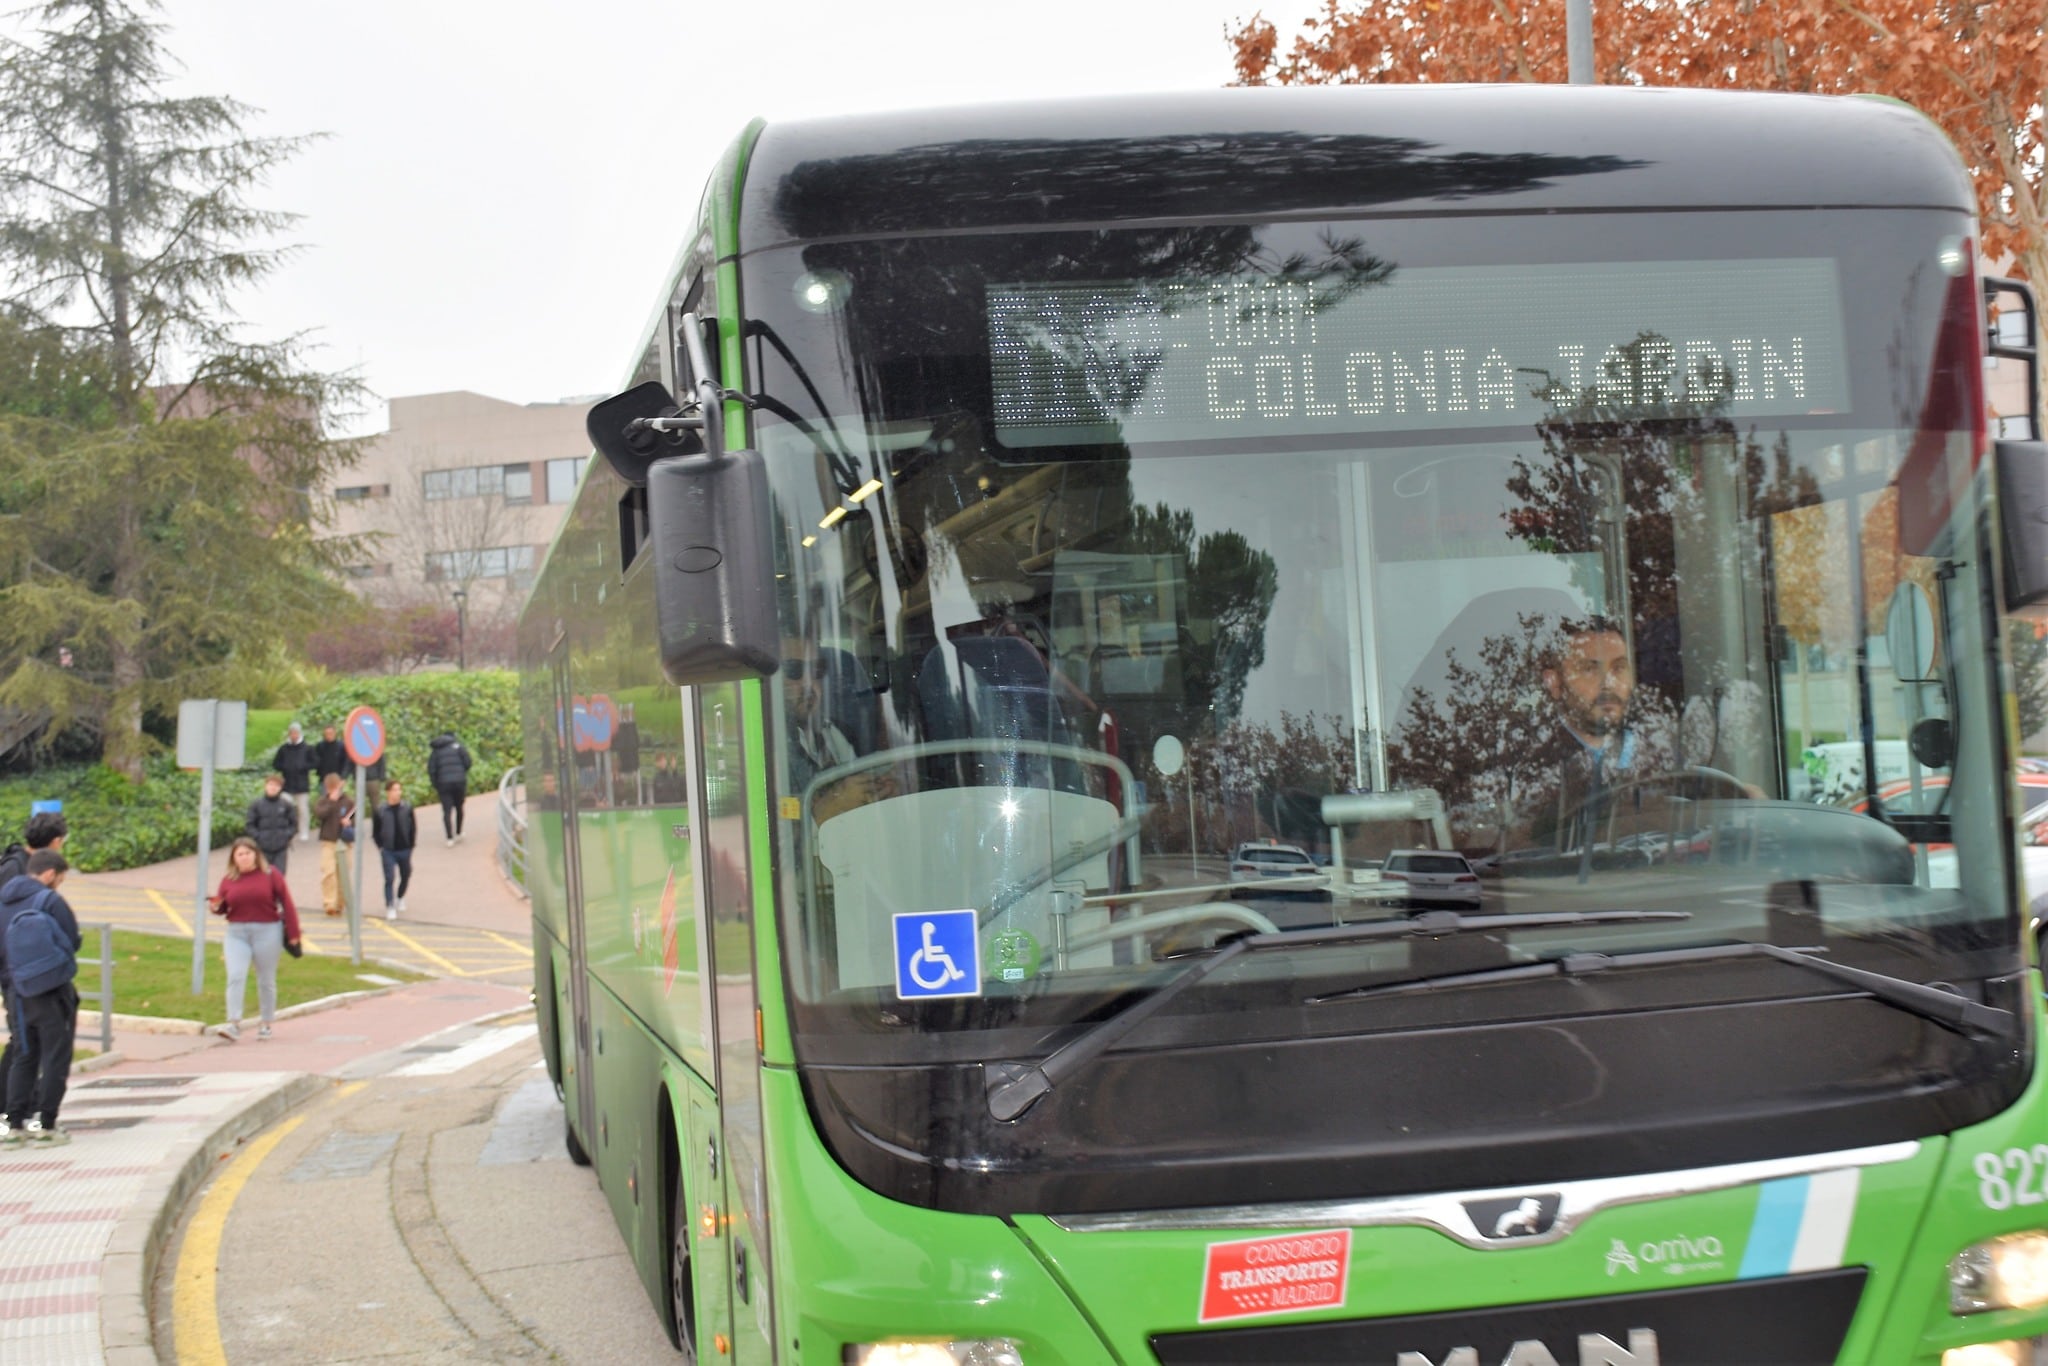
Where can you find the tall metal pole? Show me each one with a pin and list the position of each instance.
(1578, 40)
(199, 908)
(355, 905)
(462, 630)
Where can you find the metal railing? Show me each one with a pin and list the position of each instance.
(104, 997)
(512, 829)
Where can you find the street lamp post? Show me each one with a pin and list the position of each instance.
(462, 630)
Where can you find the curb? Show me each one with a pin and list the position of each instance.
(130, 1265)
(309, 1007)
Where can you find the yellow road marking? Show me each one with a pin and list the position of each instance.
(525, 949)
(415, 946)
(164, 905)
(195, 1312)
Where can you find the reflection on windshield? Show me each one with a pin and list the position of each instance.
(1125, 700)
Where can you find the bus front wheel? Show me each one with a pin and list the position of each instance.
(682, 1302)
(577, 1154)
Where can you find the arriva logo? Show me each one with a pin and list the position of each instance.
(1595, 1349)
(1672, 1256)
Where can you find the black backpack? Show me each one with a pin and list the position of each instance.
(13, 862)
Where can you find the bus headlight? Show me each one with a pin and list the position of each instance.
(967, 1352)
(2000, 1273)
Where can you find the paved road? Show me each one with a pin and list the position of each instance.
(427, 1214)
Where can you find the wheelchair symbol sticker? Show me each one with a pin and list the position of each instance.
(938, 954)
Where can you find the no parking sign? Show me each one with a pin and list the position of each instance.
(363, 736)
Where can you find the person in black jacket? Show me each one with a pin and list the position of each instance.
(396, 833)
(272, 821)
(330, 756)
(448, 770)
(46, 830)
(294, 760)
(46, 1012)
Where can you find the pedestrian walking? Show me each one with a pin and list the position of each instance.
(448, 770)
(262, 924)
(294, 760)
(45, 830)
(272, 822)
(334, 813)
(330, 756)
(39, 938)
(396, 833)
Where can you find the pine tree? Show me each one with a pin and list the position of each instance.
(158, 541)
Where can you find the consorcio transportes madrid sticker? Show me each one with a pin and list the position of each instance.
(1289, 1275)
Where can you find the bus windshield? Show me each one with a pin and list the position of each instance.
(1578, 563)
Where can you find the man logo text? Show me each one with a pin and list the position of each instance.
(1595, 1349)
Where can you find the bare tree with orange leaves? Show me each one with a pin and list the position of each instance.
(1977, 68)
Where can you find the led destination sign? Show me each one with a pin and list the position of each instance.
(1429, 349)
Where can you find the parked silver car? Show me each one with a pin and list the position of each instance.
(1429, 877)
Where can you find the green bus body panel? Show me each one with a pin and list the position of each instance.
(852, 1266)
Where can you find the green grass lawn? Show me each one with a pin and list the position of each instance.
(153, 976)
(266, 733)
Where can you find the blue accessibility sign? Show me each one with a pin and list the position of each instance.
(938, 953)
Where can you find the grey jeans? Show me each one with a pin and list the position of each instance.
(264, 942)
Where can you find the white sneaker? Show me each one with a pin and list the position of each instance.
(231, 1031)
(263, 1031)
(391, 912)
(451, 841)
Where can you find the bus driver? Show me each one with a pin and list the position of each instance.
(812, 690)
(1598, 741)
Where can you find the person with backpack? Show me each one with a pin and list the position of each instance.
(39, 939)
(262, 924)
(46, 830)
(272, 822)
(448, 770)
(396, 833)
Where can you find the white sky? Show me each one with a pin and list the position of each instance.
(504, 184)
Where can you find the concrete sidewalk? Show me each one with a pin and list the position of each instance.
(82, 1225)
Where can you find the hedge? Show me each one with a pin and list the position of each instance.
(115, 824)
(480, 707)
(118, 825)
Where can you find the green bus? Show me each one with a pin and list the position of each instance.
(1180, 729)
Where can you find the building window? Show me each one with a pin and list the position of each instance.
(463, 483)
(562, 476)
(355, 493)
(495, 562)
(518, 483)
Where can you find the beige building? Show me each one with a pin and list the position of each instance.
(461, 494)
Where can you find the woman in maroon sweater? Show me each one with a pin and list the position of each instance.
(261, 921)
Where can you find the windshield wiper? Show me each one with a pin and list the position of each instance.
(1014, 1087)
(1944, 1008)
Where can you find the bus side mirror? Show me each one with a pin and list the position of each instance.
(2023, 513)
(714, 580)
